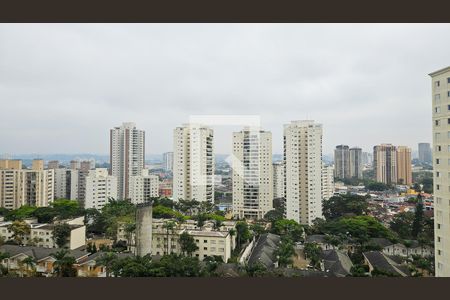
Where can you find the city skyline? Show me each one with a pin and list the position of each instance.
(281, 72)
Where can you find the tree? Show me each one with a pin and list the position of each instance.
(285, 252)
(312, 252)
(61, 234)
(20, 229)
(30, 264)
(417, 225)
(169, 226)
(242, 233)
(338, 206)
(63, 265)
(107, 260)
(187, 244)
(402, 224)
(289, 228)
(257, 229)
(273, 215)
(3, 256)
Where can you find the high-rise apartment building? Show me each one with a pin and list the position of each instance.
(127, 155)
(278, 180)
(18, 186)
(193, 163)
(100, 188)
(404, 168)
(303, 165)
(12, 184)
(168, 161)
(144, 187)
(342, 162)
(75, 164)
(327, 181)
(66, 183)
(356, 164)
(385, 163)
(53, 164)
(252, 173)
(441, 168)
(424, 153)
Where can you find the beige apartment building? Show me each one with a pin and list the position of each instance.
(404, 167)
(252, 173)
(127, 156)
(440, 81)
(193, 163)
(327, 181)
(278, 180)
(18, 186)
(385, 163)
(303, 165)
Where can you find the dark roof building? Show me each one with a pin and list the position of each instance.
(336, 262)
(264, 251)
(381, 262)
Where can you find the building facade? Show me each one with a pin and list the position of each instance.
(356, 163)
(100, 188)
(144, 187)
(168, 161)
(252, 173)
(127, 155)
(193, 163)
(441, 168)
(303, 179)
(342, 162)
(327, 181)
(385, 163)
(278, 180)
(425, 153)
(404, 167)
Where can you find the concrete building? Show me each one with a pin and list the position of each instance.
(252, 173)
(385, 163)
(143, 236)
(41, 234)
(168, 161)
(440, 81)
(193, 163)
(100, 188)
(75, 164)
(425, 153)
(66, 184)
(404, 167)
(303, 165)
(53, 164)
(144, 187)
(127, 155)
(210, 241)
(12, 184)
(278, 180)
(327, 181)
(342, 162)
(85, 167)
(356, 163)
(367, 158)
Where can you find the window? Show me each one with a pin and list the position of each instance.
(437, 83)
(438, 174)
(438, 226)
(436, 122)
(448, 80)
(438, 187)
(439, 252)
(437, 161)
(438, 148)
(439, 239)
(437, 110)
(448, 121)
(205, 241)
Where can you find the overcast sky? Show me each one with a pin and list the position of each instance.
(63, 86)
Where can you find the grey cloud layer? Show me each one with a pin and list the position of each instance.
(62, 86)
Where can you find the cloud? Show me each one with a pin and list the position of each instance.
(63, 86)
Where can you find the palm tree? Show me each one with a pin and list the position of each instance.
(29, 262)
(169, 226)
(63, 265)
(107, 260)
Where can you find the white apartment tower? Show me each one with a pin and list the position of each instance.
(278, 180)
(100, 188)
(327, 181)
(66, 184)
(144, 187)
(127, 155)
(441, 169)
(168, 161)
(252, 173)
(303, 169)
(193, 163)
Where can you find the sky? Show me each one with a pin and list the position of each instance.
(63, 86)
